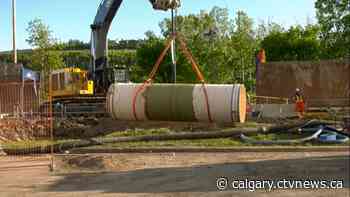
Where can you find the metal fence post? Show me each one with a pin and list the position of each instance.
(52, 167)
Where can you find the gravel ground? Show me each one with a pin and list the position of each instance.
(169, 174)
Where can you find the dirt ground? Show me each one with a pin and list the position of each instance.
(169, 174)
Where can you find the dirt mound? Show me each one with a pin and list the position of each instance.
(109, 125)
(86, 163)
(74, 127)
(94, 127)
(21, 129)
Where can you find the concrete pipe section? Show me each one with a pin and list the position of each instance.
(178, 102)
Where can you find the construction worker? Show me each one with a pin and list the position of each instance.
(299, 103)
(260, 59)
(261, 56)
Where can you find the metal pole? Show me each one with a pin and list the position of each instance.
(22, 91)
(50, 115)
(173, 31)
(14, 31)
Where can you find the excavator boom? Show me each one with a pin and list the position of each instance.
(99, 43)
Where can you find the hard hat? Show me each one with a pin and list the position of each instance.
(298, 90)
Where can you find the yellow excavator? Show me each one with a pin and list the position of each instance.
(78, 87)
(68, 82)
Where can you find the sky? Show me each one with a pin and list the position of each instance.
(71, 19)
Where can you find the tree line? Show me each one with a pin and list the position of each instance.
(130, 44)
(226, 48)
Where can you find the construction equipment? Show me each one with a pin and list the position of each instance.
(71, 82)
(77, 86)
(102, 74)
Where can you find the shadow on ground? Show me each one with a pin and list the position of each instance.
(203, 178)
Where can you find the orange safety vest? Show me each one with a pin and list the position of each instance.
(262, 56)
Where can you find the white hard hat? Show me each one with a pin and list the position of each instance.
(298, 90)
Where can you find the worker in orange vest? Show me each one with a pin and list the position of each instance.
(262, 56)
(299, 103)
(260, 59)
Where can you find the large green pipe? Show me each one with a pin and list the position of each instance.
(178, 102)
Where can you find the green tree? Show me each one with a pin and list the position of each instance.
(298, 43)
(147, 55)
(40, 38)
(207, 35)
(264, 29)
(223, 47)
(244, 45)
(334, 20)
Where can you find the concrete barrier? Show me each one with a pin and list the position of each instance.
(274, 110)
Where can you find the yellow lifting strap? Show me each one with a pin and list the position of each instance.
(189, 56)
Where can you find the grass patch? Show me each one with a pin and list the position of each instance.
(292, 136)
(279, 136)
(222, 142)
(139, 132)
(31, 144)
(251, 124)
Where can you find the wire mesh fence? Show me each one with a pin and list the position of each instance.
(25, 121)
(268, 100)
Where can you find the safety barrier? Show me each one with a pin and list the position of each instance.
(267, 100)
(25, 124)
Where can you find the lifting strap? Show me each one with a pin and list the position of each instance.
(195, 68)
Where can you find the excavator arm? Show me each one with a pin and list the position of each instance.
(99, 42)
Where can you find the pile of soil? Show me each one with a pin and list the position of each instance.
(78, 128)
(73, 127)
(23, 129)
(93, 127)
(85, 163)
(109, 125)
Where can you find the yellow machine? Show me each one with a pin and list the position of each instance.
(71, 82)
